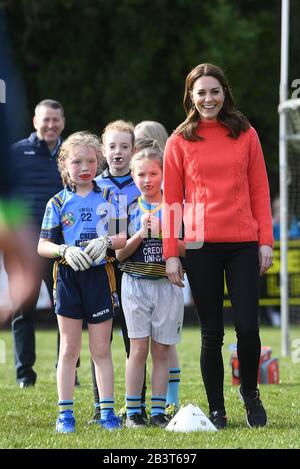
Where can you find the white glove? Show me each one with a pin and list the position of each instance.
(77, 259)
(96, 248)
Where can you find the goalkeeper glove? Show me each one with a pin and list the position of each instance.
(96, 248)
(75, 257)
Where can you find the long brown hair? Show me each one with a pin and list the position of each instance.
(231, 118)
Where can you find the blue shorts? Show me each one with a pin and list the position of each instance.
(88, 295)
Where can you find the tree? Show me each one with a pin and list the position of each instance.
(109, 59)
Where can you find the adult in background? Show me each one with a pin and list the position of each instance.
(35, 160)
(215, 162)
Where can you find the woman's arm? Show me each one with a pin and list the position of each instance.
(265, 258)
(174, 271)
(181, 248)
(259, 190)
(173, 196)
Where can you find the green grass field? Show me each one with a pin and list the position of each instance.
(28, 416)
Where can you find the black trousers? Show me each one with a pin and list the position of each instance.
(205, 270)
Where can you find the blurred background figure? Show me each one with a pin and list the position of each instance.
(15, 240)
(294, 224)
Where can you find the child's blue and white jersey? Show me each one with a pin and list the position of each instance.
(147, 261)
(71, 219)
(123, 189)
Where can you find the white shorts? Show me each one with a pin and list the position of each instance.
(152, 308)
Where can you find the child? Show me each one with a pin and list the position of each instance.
(152, 133)
(152, 129)
(118, 147)
(84, 281)
(152, 306)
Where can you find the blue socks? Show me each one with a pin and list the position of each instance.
(106, 405)
(173, 386)
(133, 405)
(63, 406)
(158, 405)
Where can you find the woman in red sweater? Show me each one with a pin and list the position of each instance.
(214, 168)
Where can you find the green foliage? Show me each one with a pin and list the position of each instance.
(28, 415)
(110, 59)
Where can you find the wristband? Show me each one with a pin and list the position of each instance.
(62, 250)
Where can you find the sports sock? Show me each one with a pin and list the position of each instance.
(106, 405)
(173, 386)
(158, 405)
(133, 405)
(63, 406)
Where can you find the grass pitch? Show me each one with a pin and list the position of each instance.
(28, 416)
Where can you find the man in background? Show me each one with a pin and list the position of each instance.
(35, 162)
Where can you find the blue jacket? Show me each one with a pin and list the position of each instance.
(38, 175)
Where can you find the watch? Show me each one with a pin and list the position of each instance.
(62, 250)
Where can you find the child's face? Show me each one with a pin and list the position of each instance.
(81, 165)
(147, 175)
(117, 149)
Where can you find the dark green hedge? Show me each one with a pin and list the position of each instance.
(109, 59)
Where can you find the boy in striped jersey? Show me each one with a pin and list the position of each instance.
(152, 307)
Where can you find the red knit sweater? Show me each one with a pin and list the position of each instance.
(223, 184)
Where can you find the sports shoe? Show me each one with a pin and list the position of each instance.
(96, 416)
(171, 410)
(123, 414)
(65, 422)
(25, 383)
(218, 419)
(111, 423)
(159, 420)
(28, 380)
(255, 413)
(135, 421)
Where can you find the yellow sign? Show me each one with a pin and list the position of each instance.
(270, 282)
